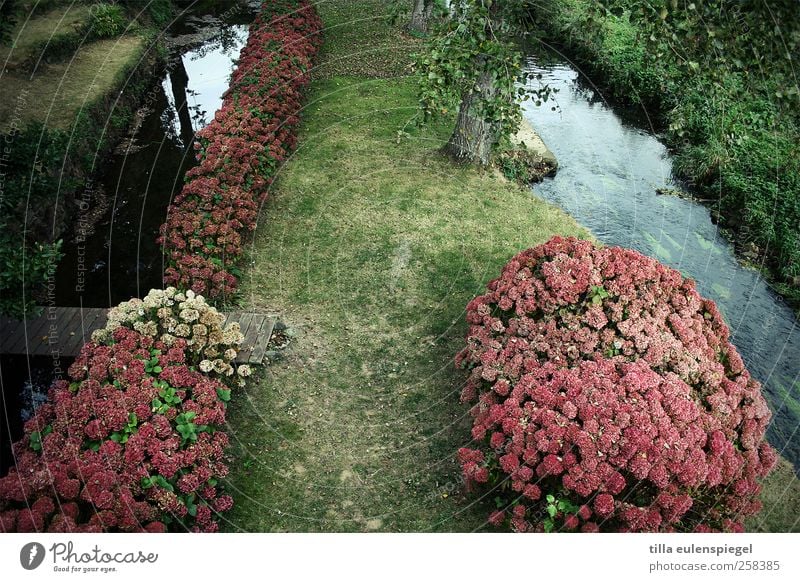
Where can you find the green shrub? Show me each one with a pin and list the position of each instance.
(23, 271)
(160, 11)
(107, 20)
(7, 20)
(27, 213)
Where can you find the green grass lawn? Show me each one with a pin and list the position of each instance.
(369, 249)
(52, 87)
(56, 92)
(37, 28)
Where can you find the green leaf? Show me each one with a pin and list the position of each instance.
(163, 483)
(36, 441)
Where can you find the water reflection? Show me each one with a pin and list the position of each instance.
(120, 258)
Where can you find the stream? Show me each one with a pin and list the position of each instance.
(112, 254)
(610, 165)
(117, 257)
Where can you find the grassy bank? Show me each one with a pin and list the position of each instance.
(725, 92)
(369, 249)
(55, 96)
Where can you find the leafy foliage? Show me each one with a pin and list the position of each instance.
(475, 47)
(23, 272)
(107, 20)
(27, 213)
(8, 19)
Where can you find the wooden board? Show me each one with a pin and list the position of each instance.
(73, 326)
(262, 341)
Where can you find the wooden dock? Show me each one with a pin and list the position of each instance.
(62, 331)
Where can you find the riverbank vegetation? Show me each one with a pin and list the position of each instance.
(719, 77)
(72, 78)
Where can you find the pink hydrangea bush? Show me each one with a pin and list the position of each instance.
(134, 440)
(608, 397)
(241, 150)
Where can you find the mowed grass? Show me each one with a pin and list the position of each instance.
(360, 41)
(369, 248)
(55, 93)
(37, 28)
(781, 498)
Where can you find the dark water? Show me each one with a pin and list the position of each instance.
(610, 165)
(117, 257)
(114, 256)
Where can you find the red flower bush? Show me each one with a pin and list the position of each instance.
(608, 397)
(241, 150)
(135, 440)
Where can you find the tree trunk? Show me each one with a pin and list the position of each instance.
(473, 137)
(428, 13)
(420, 16)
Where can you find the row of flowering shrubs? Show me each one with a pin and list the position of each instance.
(241, 150)
(133, 440)
(608, 397)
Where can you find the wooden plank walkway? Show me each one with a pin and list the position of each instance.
(62, 331)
